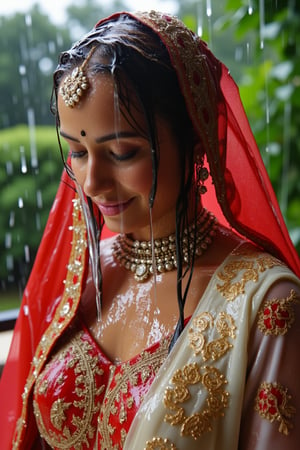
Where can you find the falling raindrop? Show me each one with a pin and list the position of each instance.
(23, 160)
(33, 150)
(20, 202)
(8, 240)
(27, 253)
(250, 8)
(200, 18)
(22, 69)
(9, 263)
(9, 168)
(261, 22)
(39, 199)
(208, 8)
(11, 221)
(209, 17)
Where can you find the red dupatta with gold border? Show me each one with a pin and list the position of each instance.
(242, 196)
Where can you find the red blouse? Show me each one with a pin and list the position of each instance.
(81, 397)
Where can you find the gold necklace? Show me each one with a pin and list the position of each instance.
(136, 256)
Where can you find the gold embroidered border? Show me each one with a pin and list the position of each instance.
(250, 267)
(272, 404)
(85, 368)
(192, 68)
(276, 316)
(63, 314)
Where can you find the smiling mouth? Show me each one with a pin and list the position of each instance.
(113, 209)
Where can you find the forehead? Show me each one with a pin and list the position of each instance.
(76, 87)
(99, 106)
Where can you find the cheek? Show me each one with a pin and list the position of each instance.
(138, 178)
(78, 171)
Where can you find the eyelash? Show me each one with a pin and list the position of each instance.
(115, 156)
(76, 154)
(125, 157)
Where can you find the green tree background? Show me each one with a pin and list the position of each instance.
(258, 41)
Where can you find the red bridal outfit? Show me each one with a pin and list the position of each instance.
(59, 389)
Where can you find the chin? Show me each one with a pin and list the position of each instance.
(116, 226)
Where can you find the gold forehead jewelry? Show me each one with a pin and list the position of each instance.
(137, 257)
(76, 84)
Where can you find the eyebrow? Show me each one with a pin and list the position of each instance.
(105, 138)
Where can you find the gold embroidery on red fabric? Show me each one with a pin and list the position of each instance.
(148, 363)
(192, 68)
(250, 266)
(272, 403)
(158, 443)
(85, 367)
(57, 413)
(276, 316)
(63, 314)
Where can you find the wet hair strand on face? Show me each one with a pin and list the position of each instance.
(140, 64)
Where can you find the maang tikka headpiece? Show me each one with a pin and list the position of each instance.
(76, 84)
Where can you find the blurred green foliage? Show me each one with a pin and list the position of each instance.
(268, 35)
(30, 169)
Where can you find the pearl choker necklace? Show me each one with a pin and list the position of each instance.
(136, 256)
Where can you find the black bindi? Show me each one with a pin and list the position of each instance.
(83, 133)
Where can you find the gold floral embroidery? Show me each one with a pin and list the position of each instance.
(232, 283)
(218, 347)
(272, 403)
(85, 367)
(217, 399)
(277, 315)
(145, 367)
(158, 443)
(209, 377)
(63, 314)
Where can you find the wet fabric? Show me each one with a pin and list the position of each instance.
(241, 196)
(81, 397)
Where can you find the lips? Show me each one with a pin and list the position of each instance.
(113, 209)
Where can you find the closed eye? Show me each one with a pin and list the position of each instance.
(77, 153)
(123, 156)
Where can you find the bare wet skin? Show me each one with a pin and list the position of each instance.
(136, 315)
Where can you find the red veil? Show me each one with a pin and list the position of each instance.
(242, 197)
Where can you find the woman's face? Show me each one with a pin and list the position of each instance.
(112, 163)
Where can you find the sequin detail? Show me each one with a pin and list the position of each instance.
(272, 403)
(277, 315)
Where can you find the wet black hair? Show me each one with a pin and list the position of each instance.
(139, 62)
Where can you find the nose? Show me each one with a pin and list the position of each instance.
(98, 177)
